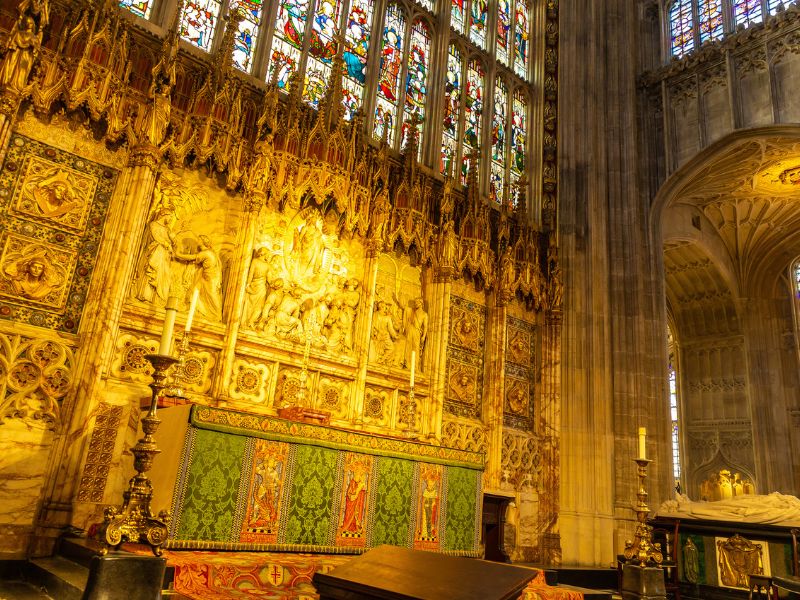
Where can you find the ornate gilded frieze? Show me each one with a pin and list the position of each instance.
(35, 375)
(465, 355)
(520, 375)
(53, 207)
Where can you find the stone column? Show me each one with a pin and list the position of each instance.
(439, 324)
(494, 371)
(127, 218)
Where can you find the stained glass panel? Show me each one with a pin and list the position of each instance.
(316, 78)
(452, 107)
(385, 113)
(417, 74)
(519, 131)
(198, 22)
(290, 26)
(245, 40)
(774, 5)
(680, 27)
(356, 46)
(521, 39)
(457, 15)
(473, 110)
(711, 25)
(503, 30)
(747, 12)
(499, 117)
(324, 28)
(479, 12)
(141, 8)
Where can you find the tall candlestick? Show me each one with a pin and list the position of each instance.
(413, 367)
(642, 442)
(192, 307)
(169, 325)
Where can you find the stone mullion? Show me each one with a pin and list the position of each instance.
(129, 210)
(361, 337)
(549, 424)
(439, 331)
(9, 109)
(494, 370)
(236, 301)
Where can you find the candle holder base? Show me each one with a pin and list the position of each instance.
(135, 522)
(642, 583)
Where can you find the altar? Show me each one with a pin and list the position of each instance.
(240, 481)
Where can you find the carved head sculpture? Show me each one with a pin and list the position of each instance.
(205, 242)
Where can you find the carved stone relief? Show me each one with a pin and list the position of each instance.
(519, 374)
(333, 396)
(187, 244)
(35, 375)
(129, 361)
(53, 206)
(378, 406)
(521, 461)
(465, 435)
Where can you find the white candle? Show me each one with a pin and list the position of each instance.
(642, 442)
(192, 307)
(413, 367)
(169, 325)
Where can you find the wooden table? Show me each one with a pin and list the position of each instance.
(394, 573)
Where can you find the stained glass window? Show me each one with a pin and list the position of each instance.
(287, 43)
(457, 15)
(747, 12)
(245, 40)
(521, 39)
(452, 109)
(710, 16)
(680, 27)
(499, 118)
(140, 8)
(473, 111)
(356, 46)
(417, 74)
(519, 133)
(774, 5)
(503, 30)
(322, 49)
(389, 74)
(478, 14)
(673, 409)
(199, 21)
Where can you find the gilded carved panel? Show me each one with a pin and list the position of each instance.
(464, 375)
(378, 406)
(518, 405)
(333, 396)
(53, 206)
(101, 452)
(129, 362)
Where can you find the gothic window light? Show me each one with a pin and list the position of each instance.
(199, 22)
(519, 133)
(322, 49)
(389, 70)
(457, 10)
(452, 109)
(673, 405)
(356, 46)
(287, 40)
(140, 8)
(681, 28)
(473, 113)
(246, 38)
(711, 22)
(521, 26)
(499, 120)
(478, 16)
(747, 12)
(503, 30)
(417, 75)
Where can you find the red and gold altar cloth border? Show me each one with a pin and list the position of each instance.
(272, 428)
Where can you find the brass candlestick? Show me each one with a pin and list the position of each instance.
(641, 550)
(135, 522)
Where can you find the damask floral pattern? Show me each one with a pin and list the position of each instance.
(391, 521)
(462, 489)
(310, 513)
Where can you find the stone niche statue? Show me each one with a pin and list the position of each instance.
(156, 271)
(207, 279)
(24, 44)
(416, 332)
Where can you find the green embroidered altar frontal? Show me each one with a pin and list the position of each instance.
(253, 482)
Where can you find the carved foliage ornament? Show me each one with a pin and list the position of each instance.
(35, 375)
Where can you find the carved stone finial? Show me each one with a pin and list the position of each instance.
(223, 58)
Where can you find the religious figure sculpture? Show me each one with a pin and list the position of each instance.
(273, 301)
(416, 331)
(462, 386)
(691, 561)
(156, 276)
(156, 118)
(774, 508)
(429, 510)
(448, 245)
(308, 250)
(34, 275)
(465, 332)
(287, 316)
(54, 195)
(256, 290)
(384, 333)
(208, 279)
(516, 399)
(350, 299)
(22, 47)
(380, 216)
(508, 274)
